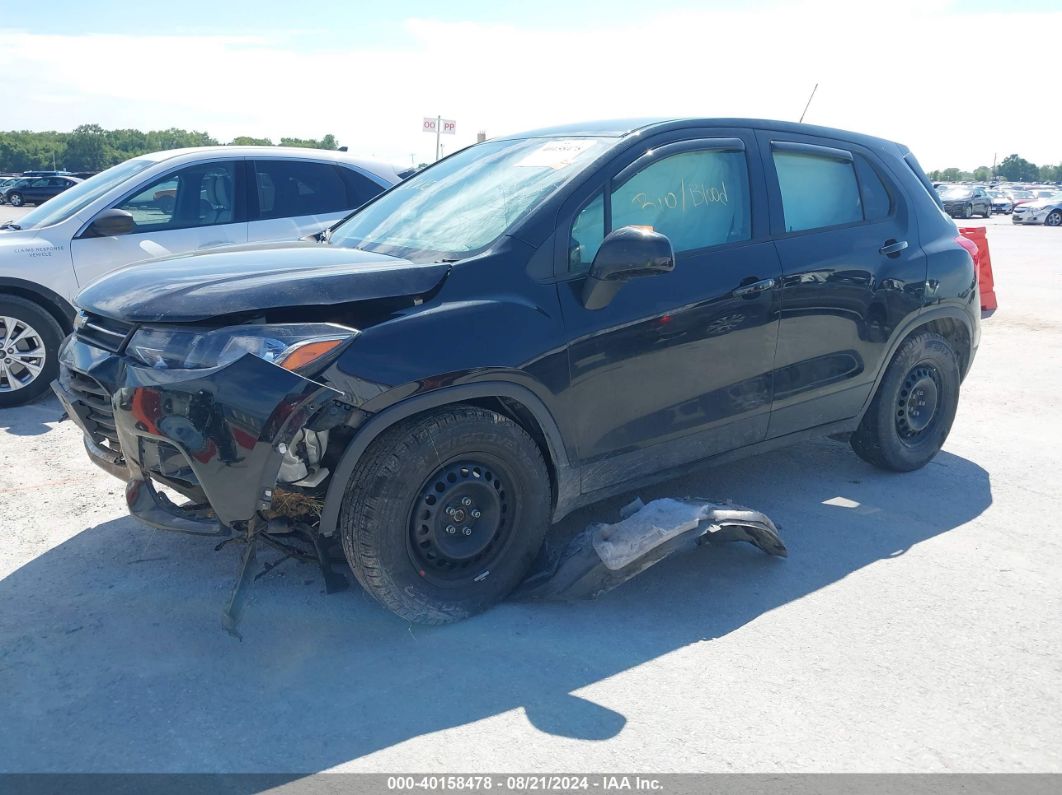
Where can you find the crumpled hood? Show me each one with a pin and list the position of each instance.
(244, 278)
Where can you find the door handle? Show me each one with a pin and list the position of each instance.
(754, 289)
(890, 248)
(213, 243)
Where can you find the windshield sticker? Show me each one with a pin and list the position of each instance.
(556, 154)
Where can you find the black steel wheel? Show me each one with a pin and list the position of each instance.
(462, 520)
(917, 403)
(912, 411)
(445, 512)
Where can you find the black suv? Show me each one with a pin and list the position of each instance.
(530, 325)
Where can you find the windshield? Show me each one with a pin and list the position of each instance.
(462, 205)
(81, 195)
(955, 193)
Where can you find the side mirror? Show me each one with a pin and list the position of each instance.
(110, 223)
(625, 253)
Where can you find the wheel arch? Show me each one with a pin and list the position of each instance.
(512, 400)
(49, 300)
(949, 322)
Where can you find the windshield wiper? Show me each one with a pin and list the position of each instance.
(10, 225)
(454, 259)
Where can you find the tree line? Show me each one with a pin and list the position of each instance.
(92, 148)
(1014, 168)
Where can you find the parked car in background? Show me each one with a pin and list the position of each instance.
(150, 206)
(1001, 202)
(965, 201)
(1019, 197)
(532, 324)
(7, 182)
(36, 190)
(1046, 210)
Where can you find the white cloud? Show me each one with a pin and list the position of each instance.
(915, 72)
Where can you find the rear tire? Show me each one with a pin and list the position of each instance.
(914, 407)
(445, 513)
(29, 350)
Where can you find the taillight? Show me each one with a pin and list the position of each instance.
(971, 247)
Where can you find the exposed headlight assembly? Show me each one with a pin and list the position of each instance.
(292, 346)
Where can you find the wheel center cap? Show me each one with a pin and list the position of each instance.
(921, 404)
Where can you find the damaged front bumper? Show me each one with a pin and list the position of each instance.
(217, 436)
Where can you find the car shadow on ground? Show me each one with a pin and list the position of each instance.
(32, 418)
(112, 657)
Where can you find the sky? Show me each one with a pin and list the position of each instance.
(959, 81)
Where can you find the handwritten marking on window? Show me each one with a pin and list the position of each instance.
(693, 195)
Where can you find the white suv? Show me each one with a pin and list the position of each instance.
(152, 206)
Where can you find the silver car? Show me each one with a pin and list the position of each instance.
(1046, 210)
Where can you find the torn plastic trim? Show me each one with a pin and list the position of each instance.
(230, 424)
(155, 509)
(604, 556)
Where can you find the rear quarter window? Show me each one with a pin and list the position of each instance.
(877, 200)
(359, 188)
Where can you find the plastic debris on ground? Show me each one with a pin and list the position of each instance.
(606, 555)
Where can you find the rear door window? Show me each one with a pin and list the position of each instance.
(293, 188)
(818, 189)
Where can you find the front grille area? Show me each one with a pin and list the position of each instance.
(111, 335)
(100, 416)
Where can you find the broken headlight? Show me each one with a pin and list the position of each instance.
(293, 346)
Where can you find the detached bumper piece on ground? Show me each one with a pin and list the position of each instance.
(607, 555)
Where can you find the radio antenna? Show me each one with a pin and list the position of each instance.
(816, 88)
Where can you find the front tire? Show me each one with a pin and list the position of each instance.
(29, 350)
(1054, 218)
(445, 513)
(15, 199)
(967, 211)
(914, 407)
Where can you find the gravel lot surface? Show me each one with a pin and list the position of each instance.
(915, 626)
